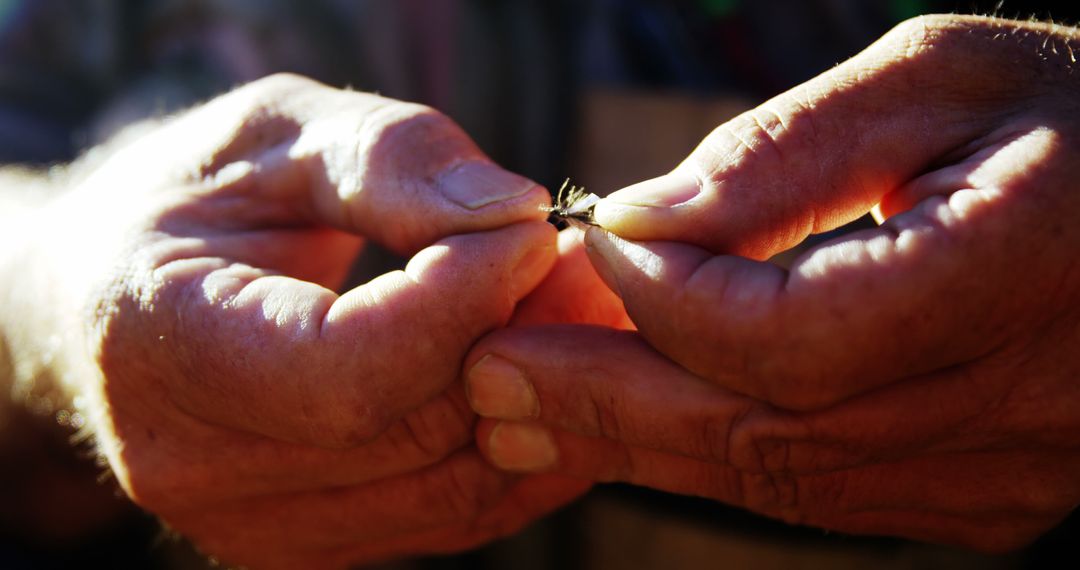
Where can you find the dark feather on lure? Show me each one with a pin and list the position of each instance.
(573, 206)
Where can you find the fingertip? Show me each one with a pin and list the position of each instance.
(633, 222)
(613, 216)
(481, 276)
(665, 191)
(522, 447)
(525, 207)
(512, 446)
(498, 388)
(639, 210)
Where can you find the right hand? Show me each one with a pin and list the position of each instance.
(231, 390)
(916, 380)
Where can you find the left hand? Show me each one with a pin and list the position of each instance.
(183, 291)
(915, 380)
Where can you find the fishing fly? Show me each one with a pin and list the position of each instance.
(573, 206)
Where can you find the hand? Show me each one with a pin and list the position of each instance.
(231, 390)
(917, 380)
(572, 292)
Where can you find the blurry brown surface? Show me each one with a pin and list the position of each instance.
(625, 136)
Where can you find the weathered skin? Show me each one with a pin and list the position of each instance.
(233, 393)
(919, 379)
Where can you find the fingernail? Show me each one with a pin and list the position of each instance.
(498, 389)
(478, 184)
(597, 246)
(661, 192)
(522, 447)
(531, 270)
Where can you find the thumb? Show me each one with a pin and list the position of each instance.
(826, 152)
(286, 150)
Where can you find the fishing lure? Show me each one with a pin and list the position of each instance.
(573, 206)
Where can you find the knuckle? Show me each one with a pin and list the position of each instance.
(758, 442)
(761, 145)
(758, 133)
(399, 126)
(248, 118)
(419, 139)
(755, 139)
(278, 84)
(403, 151)
(254, 101)
(737, 443)
(962, 55)
(916, 36)
(759, 446)
(773, 494)
(715, 440)
(607, 413)
(952, 45)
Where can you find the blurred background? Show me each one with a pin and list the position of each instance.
(606, 92)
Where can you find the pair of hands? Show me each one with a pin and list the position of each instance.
(912, 380)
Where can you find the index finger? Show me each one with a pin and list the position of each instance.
(244, 348)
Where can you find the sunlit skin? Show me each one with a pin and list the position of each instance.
(184, 292)
(916, 380)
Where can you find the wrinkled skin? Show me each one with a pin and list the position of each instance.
(917, 380)
(233, 393)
